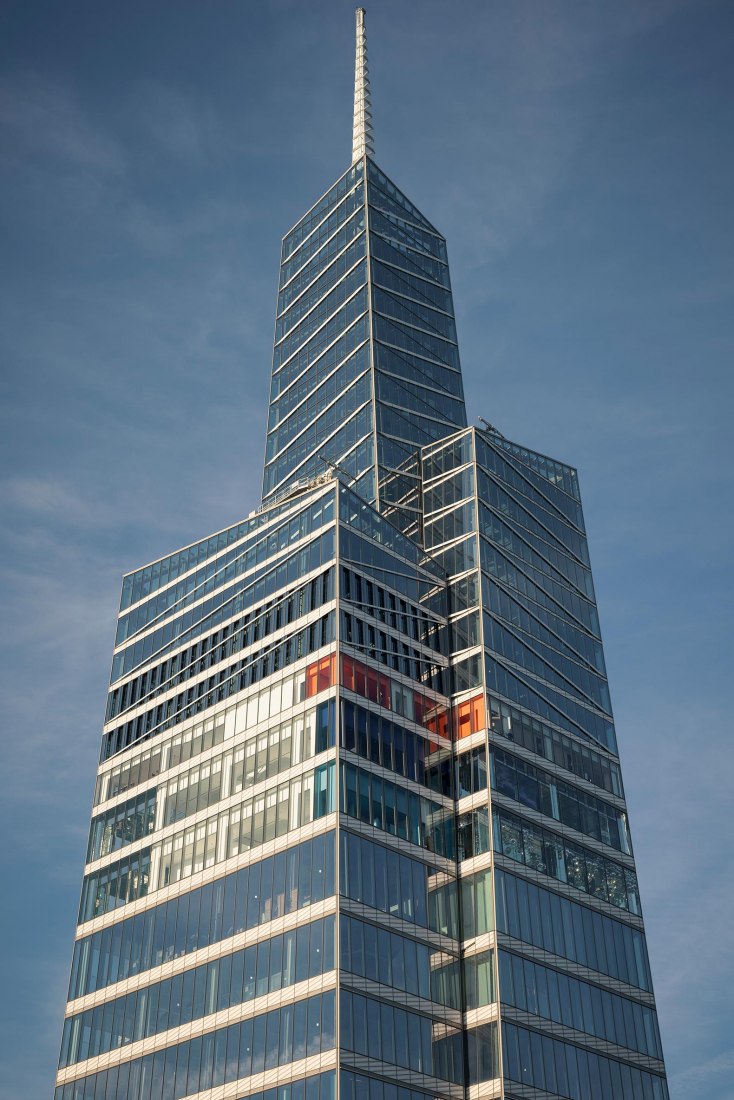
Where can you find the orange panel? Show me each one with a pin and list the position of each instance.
(478, 720)
(360, 678)
(463, 719)
(312, 679)
(348, 673)
(442, 725)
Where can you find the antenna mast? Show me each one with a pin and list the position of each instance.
(362, 137)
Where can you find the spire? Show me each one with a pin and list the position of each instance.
(362, 140)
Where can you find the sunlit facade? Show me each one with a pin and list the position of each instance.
(359, 829)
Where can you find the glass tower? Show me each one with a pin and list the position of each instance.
(359, 830)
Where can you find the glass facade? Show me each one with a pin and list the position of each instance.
(538, 790)
(366, 363)
(359, 829)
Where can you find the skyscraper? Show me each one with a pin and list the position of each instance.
(359, 828)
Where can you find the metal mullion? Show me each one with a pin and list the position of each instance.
(178, 604)
(440, 478)
(318, 250)
(581, 659)
(562, 609)
(425, 278)
(417, 301)
(162, 689)
(564, 582)
(423, 356)
(402, 409)
(317, 303)
(175, 610)
(408, 324)
(519, 671)
(371, 314)
(327, 214)
(315, 204)
(182, 642)
(518, 495)
(321, 412)
(559, 547)
(513, 594)
(331, 436)
(516, 458)
(405, 384)
(403, 381)
(325, 322)
(410, 248)
(318, 386)
(513, 631)
(403, 224)
(535, 488)
(328, 348)
(320, 275)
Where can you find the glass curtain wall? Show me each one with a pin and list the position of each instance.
(359, 781)
(365, 353)
(539, 796)
(206, 942)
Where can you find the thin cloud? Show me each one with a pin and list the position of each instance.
(177, 124)
(43, 118)
(713, 1072)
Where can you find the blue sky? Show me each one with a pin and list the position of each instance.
(578, 158)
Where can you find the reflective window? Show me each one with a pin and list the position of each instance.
(231, 980)
(476, 904)
(297, 253)
(391, 695)
(384, 805)
(245, 826)
(219, 574)
(524, 478)
(309, 313)
(307, 398)
(567, 862)
(262, 755)
(321, 210)
(581, 760)
(303, 1028)
(372, 735)
(479, 982)
(395, 884)
(399, 961)
(541, 791)
(550, 703)
(116, 884)
(548, 1064)
(472, 833)
(482, 1057)
(391, 1034)
(355, 1086)
(570, 930)
(578, 1005)
(471, 772)
(244, 899)
(243, 674)
(328, 279)
(124, 824)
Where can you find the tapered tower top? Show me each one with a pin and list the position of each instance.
(362, 137)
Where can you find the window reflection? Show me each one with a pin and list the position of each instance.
(244, 899)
